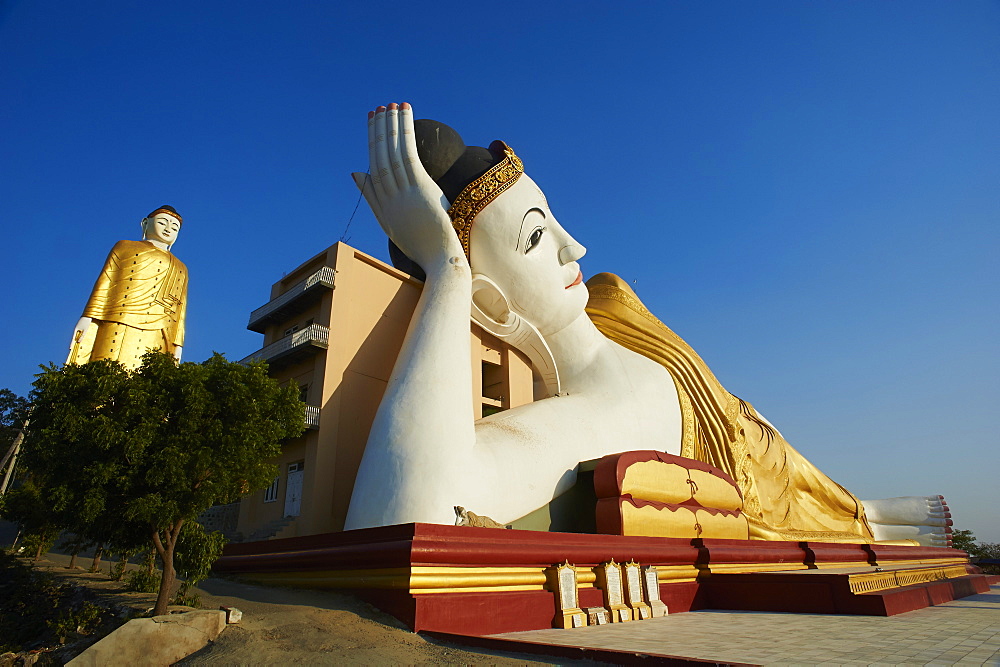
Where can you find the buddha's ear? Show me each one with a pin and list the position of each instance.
(491, 310)
(489, 302)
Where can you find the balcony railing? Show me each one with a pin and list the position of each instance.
(296, 298)
(312, 417)
(294, 346)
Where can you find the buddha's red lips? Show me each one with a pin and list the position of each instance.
(577, 280)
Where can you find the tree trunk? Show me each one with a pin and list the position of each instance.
(165, 547)
(119, 570)
(72, 560)
(166, 583)
(38, 551)
(96, 565)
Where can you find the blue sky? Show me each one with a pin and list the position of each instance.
(807, 192)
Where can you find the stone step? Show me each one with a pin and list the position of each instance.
(271, 529)
(813, 591)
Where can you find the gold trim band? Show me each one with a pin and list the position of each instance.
(480, 192)
(444, 579)
(880, 581)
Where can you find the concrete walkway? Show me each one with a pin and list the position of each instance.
(965, 632)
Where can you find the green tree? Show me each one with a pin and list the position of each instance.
(13, 411)
(966, 541)
(129, 454)
(38, 525)
(196, 550)
(73, 451)
(963, 540)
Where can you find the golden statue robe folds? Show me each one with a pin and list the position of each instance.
(138, 303)
(785, 497)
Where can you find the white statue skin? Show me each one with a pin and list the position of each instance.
(162, 231)
(425, 453)
(925, 519)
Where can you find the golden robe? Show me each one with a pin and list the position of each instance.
(785, 496)
(138, 303)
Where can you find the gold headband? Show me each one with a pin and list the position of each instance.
(480, 192)
(174, 214)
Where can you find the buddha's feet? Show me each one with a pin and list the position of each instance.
(925, 519)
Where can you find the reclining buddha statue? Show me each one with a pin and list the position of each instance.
(484, 238)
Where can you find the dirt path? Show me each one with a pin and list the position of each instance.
(296, 626)
(284, 625)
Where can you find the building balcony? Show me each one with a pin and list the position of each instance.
(293, 347)
(296, 299)
(312, 417)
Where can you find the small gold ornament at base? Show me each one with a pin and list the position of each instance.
(597, 616)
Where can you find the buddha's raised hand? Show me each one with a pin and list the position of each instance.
(409, 206)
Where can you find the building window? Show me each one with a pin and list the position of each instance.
(290, 330)
(271, 492)
(304, 393)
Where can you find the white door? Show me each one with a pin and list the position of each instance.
(293, 490)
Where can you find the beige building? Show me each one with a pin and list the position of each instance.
(334, 325)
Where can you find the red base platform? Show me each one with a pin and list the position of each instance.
(478, 581)
(815, 592)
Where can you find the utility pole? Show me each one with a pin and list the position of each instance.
(11, 456)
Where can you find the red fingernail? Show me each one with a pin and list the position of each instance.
(393, 106)
(406, 105)
(379, 109)
(371, 114)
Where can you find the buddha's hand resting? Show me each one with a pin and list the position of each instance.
(81, 328)
(409, 206)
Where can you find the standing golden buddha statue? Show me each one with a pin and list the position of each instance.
(139, 300)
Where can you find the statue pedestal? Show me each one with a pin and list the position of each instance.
(480, 581)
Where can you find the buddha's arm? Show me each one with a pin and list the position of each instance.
(181, 325)
(181, 322)
(422, 436)
(97, 302)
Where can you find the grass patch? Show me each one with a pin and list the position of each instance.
(39, 614)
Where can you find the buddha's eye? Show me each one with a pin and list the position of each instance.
(534, 238)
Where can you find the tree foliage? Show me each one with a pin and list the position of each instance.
(128, 456)
(76, 449)
(197, 549)
(966, 541)
(27, 506)
(963, 540)
(13, 411)
(35, 611)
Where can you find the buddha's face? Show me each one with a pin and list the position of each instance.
(162, 227)
(519, 244)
